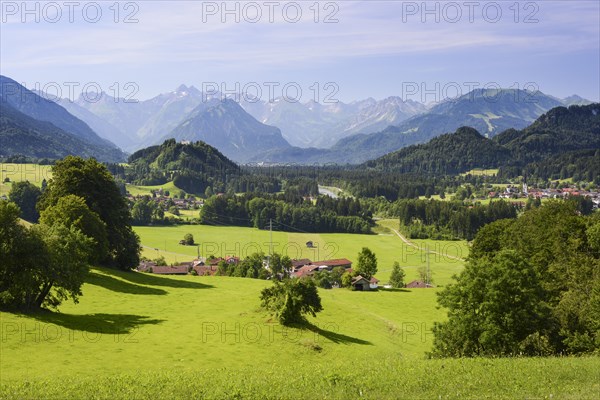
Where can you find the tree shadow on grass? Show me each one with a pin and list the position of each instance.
(142, 278)
(335, 337)
(117, 285)
(116, 324)
(395, 290)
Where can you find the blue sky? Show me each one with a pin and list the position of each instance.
(368, 49)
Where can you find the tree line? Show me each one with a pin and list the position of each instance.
(257, 211)
(422, 219)
(531, 286)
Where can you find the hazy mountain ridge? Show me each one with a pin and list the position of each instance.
(37, 117)
(226, 126)
(312, 124)
(338, 132)
(558, 132)
(21, 134)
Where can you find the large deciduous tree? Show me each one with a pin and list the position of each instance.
(93, 182)
(25, 195)
(291, 299)
(70, 211)
(530, 286)
(43, 265)
(367, 263)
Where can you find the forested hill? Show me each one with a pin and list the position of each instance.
(23, 135)
(558, 132)
(192, 167)
(451, 153)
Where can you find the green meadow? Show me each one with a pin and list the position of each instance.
(142, 336)
(229, 240)
(33, 173)
(481, 172)
(137, 335)
(136, 190)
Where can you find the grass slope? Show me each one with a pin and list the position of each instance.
(136, 335)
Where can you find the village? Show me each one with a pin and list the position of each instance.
(300, 268)
(525, 192)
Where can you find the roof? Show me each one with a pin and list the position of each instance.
(146, 265)
(176, 270)
(215, 261)
(301, 262)
(358, 279)
(306, 270)
(374, 280)
(418, 284)
(205, 269)
(338, 262)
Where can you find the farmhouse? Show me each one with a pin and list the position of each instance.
(418, 285)
(296, 264)
(305, 270)
(205, 270)
(361, 284)
(374, 283)
(182, 269)
(146, 266)
(331, 264)
(305, 267)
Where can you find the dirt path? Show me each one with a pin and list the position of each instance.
(409, 243)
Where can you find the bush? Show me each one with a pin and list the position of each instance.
(291, 299)
(189, 239)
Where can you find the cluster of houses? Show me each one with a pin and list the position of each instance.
(512, 192)
(300, 268)
(305, 267)
(200, 266)
(164, 199)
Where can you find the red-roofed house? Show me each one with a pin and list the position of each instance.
(204, 270)
(331, 264)
(146, 266)
(300, 263)
(418, 285)
(175, 270)
(374, 283)
(306, 270)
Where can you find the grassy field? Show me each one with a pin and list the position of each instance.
(137, 335)
(481, 172)
(135, 190)
(224, 240)
(23, 172)
(143, 336)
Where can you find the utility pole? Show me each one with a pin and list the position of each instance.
(270, 240)
(428, 271)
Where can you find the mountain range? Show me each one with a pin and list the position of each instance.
(282, 131)
(559, 132)
(488, 111)
(562, 142)
(226, 126)
(33, 126)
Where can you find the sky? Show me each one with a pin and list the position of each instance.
(307, 50)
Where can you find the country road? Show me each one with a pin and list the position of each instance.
(408, 242)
